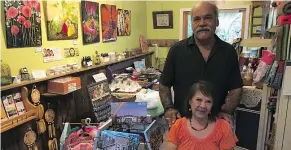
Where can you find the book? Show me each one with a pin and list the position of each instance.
(9, 106)
(129, 112)
(113, 140)
(154, 134)
(19, 103)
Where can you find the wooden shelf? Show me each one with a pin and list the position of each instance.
(23, 83)
(256, 42)
(32, 112)
(273, 29)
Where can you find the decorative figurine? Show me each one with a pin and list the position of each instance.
(24, 74)
(97, 58)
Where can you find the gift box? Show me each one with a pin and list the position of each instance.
(64, 85)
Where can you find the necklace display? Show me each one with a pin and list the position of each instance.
(198, 129)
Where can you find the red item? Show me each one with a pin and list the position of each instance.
(268, 57)
(65, 28)
(284, 19)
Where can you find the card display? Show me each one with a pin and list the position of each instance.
(112, 140)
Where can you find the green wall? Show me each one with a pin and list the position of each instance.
(26, 57)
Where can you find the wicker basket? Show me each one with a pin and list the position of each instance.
(123, 97)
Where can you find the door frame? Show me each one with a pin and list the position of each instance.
(246, 25)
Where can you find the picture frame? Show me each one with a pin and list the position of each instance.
(163, 19)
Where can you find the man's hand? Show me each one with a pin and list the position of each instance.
(226, 117)
(171, 115)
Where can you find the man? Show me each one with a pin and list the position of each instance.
(203, 56)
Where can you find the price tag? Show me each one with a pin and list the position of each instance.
(75, 42)
(38, 49)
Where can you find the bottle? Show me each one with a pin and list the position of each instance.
(84, 64)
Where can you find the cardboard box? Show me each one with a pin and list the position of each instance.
(64, 85)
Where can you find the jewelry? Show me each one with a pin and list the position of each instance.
(198, 129)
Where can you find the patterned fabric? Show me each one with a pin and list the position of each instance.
(251, 96)
(271, 75)
(276, 84)
(260, 72)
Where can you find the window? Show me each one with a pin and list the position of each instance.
(232, 24)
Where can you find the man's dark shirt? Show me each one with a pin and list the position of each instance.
(185, 65)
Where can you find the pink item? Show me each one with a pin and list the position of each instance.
(83, 146)
(268, 57)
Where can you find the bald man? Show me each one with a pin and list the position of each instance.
(203, 56)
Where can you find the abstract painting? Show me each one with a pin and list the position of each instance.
(62, 20)
(90, 22)
(22, 20)
(124, 22)
(109, 22)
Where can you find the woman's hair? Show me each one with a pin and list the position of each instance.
(207, 89)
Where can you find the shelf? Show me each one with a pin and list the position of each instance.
(256, 42)
(23, 83)
(273, 29)
(32, 112)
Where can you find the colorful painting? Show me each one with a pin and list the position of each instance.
(124, 22)
(90, 22)
(109, 22)
(62, 20)
(22, 19)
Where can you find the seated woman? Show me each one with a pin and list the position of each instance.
(201, 130)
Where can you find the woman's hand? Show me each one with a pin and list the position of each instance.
(171, 115)
(226, 117)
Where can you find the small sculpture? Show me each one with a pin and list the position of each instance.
(97, 58)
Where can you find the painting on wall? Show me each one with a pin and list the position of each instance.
(123, 22)
(90, 22)
(62, 20)
(109, 22)
(22, 20)
(163, 19)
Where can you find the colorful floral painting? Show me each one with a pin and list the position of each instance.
(90, 22)
(23, 28)
(109, 22)
(62, 20)
(123, 22)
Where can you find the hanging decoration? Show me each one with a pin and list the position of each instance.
(61, 19)
(124, 22)
(49, 117)
(90, 22)
(22, 20)
(29, 139)
(109, 22)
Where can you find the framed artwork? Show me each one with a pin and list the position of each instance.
(61, 20)
(154, 135)
(123, 22)
(22, 20)
(163, 19)
(90, 22)
(109, 22)
(114, 140)
(71, 52)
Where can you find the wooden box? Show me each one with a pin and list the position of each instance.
(64, 85)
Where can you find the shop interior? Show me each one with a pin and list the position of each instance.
(85, 74)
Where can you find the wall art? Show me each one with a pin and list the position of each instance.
(61, 20)
(163, 19)
(114, 140)
(90, 22)
(71, 52)
(22, 20)
(109, 22)
(123, 22)
(51, 54)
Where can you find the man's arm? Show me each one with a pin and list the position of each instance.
(165, 96)
(232, 101)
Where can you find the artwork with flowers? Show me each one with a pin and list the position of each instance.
(23, 28)
(109, 22)
(123, 22)
(90, 22)
(62, 19)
